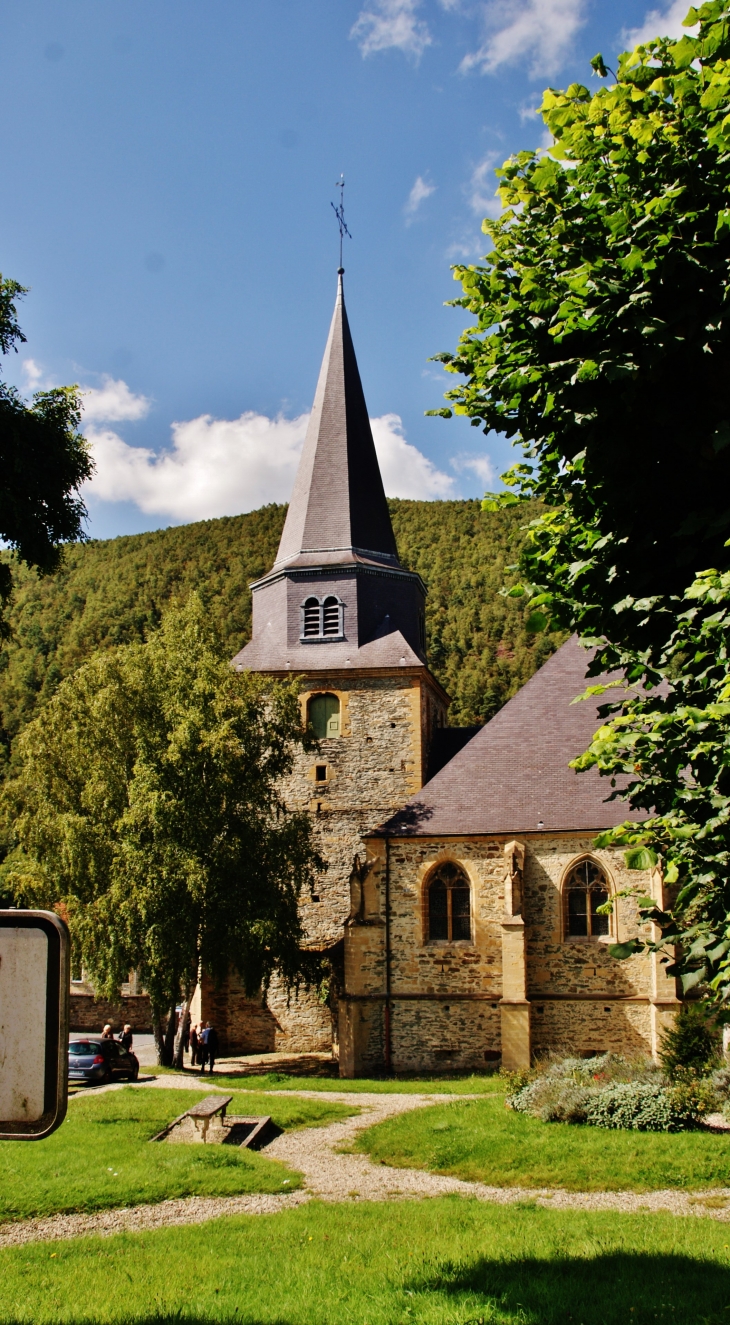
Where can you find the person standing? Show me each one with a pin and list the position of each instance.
(193, 1045)
(203, 1049)
(107, 1033)
(126, 1038)
(212, 1046)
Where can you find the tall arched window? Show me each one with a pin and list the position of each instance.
(324, 716)
(322, 618)
(586, 888)
(449, 903)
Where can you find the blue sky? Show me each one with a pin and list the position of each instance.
(169, 170)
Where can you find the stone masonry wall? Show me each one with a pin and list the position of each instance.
(371, 769)
(445, 997)
(88, 1013)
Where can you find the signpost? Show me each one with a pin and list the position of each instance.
(34, 992)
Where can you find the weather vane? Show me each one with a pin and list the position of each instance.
(340, 214)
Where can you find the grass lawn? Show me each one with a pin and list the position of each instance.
(483, 1084)
(482, 1141)
(101, 1155)
(440, 1262)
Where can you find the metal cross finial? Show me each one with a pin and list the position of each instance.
(340, 214)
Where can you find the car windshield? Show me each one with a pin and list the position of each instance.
(83, 1048)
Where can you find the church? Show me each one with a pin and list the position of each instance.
(460, 910)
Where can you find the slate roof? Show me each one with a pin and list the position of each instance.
(338, 511)
(266, 653)
(514, 775)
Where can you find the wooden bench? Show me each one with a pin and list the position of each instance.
(206, 1122)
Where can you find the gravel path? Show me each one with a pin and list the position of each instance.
(330, 1175)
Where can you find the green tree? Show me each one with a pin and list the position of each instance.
(144, 799)
(43, 462)
(602, 347)
(602, 343)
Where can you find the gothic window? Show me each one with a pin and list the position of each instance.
(586, 888)
(322, 618)
(324, 716)
(449, 903)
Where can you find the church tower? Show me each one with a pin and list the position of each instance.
(338, 610)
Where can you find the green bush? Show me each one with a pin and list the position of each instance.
(611, 1091)
(564, 1090)
(693, 1045)
(641, 1106)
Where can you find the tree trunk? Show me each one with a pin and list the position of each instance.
(157, 1032)
(179, 1057)
(170, 1036)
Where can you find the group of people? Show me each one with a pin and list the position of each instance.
(203, 1042)
(126, 1038)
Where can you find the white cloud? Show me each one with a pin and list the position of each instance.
(482, 186)
(658, 23)
(33, 374)
(481, 465)
(541, 30)
(419, 193)
(221, 467)
(406, 471)
(391, 24)
(214, 466)
(113, 402)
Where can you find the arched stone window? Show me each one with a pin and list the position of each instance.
(323, 716)
(448, 901)
(322, 618)
(585, 889)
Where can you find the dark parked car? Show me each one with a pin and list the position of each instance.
(98, 1061)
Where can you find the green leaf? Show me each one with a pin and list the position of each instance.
(640, 858)
(536, 623)
(623, 950)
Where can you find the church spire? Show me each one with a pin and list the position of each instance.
(338, 511)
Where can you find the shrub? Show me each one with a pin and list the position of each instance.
(566, 1087)
(642, 1106)
(693, 1045)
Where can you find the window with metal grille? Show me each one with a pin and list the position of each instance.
(586, 889)
(449, 903)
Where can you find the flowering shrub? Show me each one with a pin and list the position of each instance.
(639, 1106)
(610, 1091)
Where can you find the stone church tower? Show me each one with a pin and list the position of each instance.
(339, 610)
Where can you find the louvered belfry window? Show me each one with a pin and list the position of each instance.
(312, 615)
(331, 617)
(322, 618)
(449, 903)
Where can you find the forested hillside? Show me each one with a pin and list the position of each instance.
(112, 592)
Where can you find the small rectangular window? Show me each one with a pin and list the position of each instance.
(320, 772)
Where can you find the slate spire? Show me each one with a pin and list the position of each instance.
(338, 511)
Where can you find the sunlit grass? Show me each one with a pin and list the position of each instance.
(438, 1262)
(101, 1155)
(472, 1084)
(481, 1141)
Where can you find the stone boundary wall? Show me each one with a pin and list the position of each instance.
(88, 1013)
